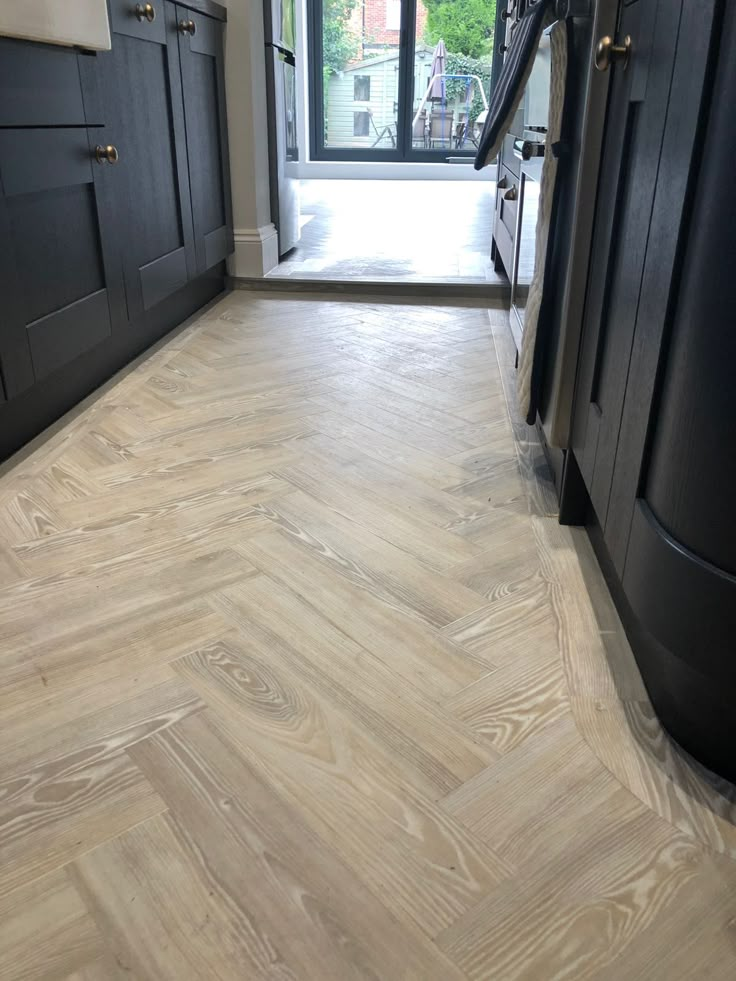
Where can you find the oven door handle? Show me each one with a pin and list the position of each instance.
(526, 149)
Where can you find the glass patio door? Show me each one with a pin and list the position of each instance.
(398, 79)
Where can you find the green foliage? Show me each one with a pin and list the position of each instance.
(340, 45)
(466, 26)
(456, 88)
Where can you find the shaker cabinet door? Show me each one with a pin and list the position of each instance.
(59, 274)
(650, 142)
(201, 51)
(146, 117)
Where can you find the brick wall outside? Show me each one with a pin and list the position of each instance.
(369, 21)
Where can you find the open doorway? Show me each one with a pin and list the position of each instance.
(389, 100)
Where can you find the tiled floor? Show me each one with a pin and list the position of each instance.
(395, 231)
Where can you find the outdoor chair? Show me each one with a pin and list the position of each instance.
(419, 135)
(440, 128)
(387, 132)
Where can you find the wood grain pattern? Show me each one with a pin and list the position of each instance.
(300, 898)
(380, 820)
(302, 679)
(46, 930)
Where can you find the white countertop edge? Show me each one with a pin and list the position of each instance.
(83, 23)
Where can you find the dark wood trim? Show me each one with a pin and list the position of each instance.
(477, 294)
(208, 7)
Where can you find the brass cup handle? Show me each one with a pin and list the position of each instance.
(188, 27)
(106, 153)
(606, 53)
(511, 194)
(145, 11)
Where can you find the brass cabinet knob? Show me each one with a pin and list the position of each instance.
(502, 183)
(606, 53)
(512, 194)
(188, 27)
(109, 153)
(145, 11)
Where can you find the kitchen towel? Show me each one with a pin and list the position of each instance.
(509, 89)
(547, 182)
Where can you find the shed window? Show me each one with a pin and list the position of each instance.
(360, 124)
(362, 88)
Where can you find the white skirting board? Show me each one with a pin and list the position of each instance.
(256, 252)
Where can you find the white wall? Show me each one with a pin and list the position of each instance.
(256, 243)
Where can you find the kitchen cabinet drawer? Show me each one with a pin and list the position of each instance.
(143, 20)
(41, 86)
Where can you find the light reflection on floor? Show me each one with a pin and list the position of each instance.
(395, 230)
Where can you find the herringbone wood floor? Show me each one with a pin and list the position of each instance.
(302, 679)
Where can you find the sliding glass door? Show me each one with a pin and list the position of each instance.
(398, 79)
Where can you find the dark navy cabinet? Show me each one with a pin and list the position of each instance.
(654, 434)
(203, 83)
(115, 216)
(146, 123)
(62, 289)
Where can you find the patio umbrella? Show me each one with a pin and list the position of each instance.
(437, 92)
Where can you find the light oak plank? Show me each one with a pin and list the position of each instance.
(404, 643)
(574, 915)
(348, 790)
(513, 702)
(308, 646)
(168, 917)
(369, 563)
(299, 898)
(46, 931)
(115, 590)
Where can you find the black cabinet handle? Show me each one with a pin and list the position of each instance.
(188, 27)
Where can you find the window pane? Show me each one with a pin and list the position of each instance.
(361, 88)
(452, 73)
(360, 50)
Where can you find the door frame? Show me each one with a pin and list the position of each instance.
(404, 152)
